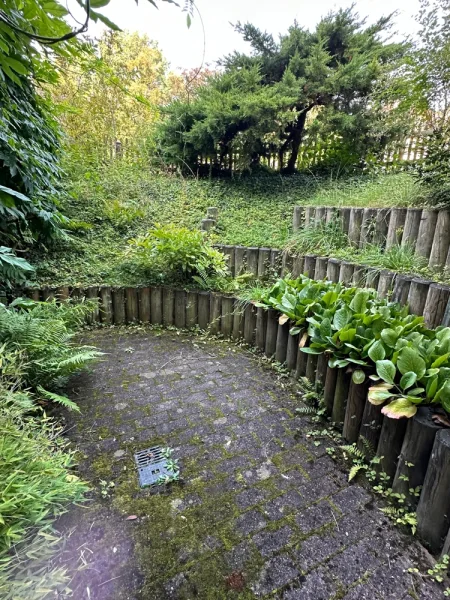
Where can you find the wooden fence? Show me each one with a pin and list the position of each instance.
(399, 443)
(426, 231)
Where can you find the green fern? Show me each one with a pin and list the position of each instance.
(368, 446)
(355, 470)
(353, 451)
(63, 400)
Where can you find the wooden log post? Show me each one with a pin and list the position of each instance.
(215, 312)
(357, 395)
(433, 511)
(331, 214)
(371, 424)
(411, 227)
(446, 318)
(212, 212)
(333, 269)
(425, 236)
(229, 254)
(340, 397)
(358, 276)
(372, 277)
(446, 547)
(106, 314)
(302, 360)
(367, 227)
(354, 228)
(309, 216)
(240, 260)
(207, 224)
(168, 299)
(382, 220)
(249, 324)
(252, 261)
(441, 240)
(321, 371)
(321, 268)
(275, 261)
(204, 302)
(417, 296)
(62, 293)
(226, 325)
(385, 283)
(396, 224)
(36, 295)
(319, 217)
(330, 388)
(298, 217)
(156, 304)
(180, 309)
(238, 322)
(144, 305)
(118, 304)
(261, 327)
(311, 367)
(436, 303)
(298, 266)
(282, 342)
(287, 263)
(92, 293)
(346, 272)
(131, 305)
(401, 289)
(390, 445)
(310, 265)
(191, 309)
(271, 332)
(263, 262)
(292, 351)
(344, 217)
(48, 294)
(416, 450)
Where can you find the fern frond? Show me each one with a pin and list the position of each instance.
(368, 446)
(355, 470)
(306, 410)
(353, 451)
(63, 400)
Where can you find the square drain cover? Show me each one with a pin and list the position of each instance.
(151, 465)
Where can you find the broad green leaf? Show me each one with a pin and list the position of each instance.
(378, 394)
(407, 380)
(440, 360)
(325, 328)
(358, 376)
(377, 351)
(410, 360)
(341, 318)
(359, 302)
(348, 335)
(399, 408)
(386, 370)
(389, 337)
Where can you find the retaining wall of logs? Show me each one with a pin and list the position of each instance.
(424, 297)
(427, 231)
(416, 448)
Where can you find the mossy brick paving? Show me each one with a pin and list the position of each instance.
(261, 512)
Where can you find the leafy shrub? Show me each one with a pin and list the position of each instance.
(36, 480)
(13, 269)
(178, 255)
(42, 332)
(372, 337)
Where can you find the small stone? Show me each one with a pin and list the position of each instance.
(120, 406)
(220, 421)
(119, 453)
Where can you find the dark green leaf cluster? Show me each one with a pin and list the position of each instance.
(370, 336)
(260, 104)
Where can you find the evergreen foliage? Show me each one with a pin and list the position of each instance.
(262, 103)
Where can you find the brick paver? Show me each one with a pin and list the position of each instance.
(261, 511)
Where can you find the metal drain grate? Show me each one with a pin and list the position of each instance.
(151, 465)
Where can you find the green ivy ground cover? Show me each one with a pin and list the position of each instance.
(109, 206)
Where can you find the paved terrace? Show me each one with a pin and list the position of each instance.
(261, 512)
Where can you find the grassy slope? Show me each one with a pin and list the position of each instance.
(119, 204)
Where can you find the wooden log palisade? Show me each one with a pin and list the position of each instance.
(399, 444)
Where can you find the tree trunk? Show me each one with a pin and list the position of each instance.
(296, 140)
